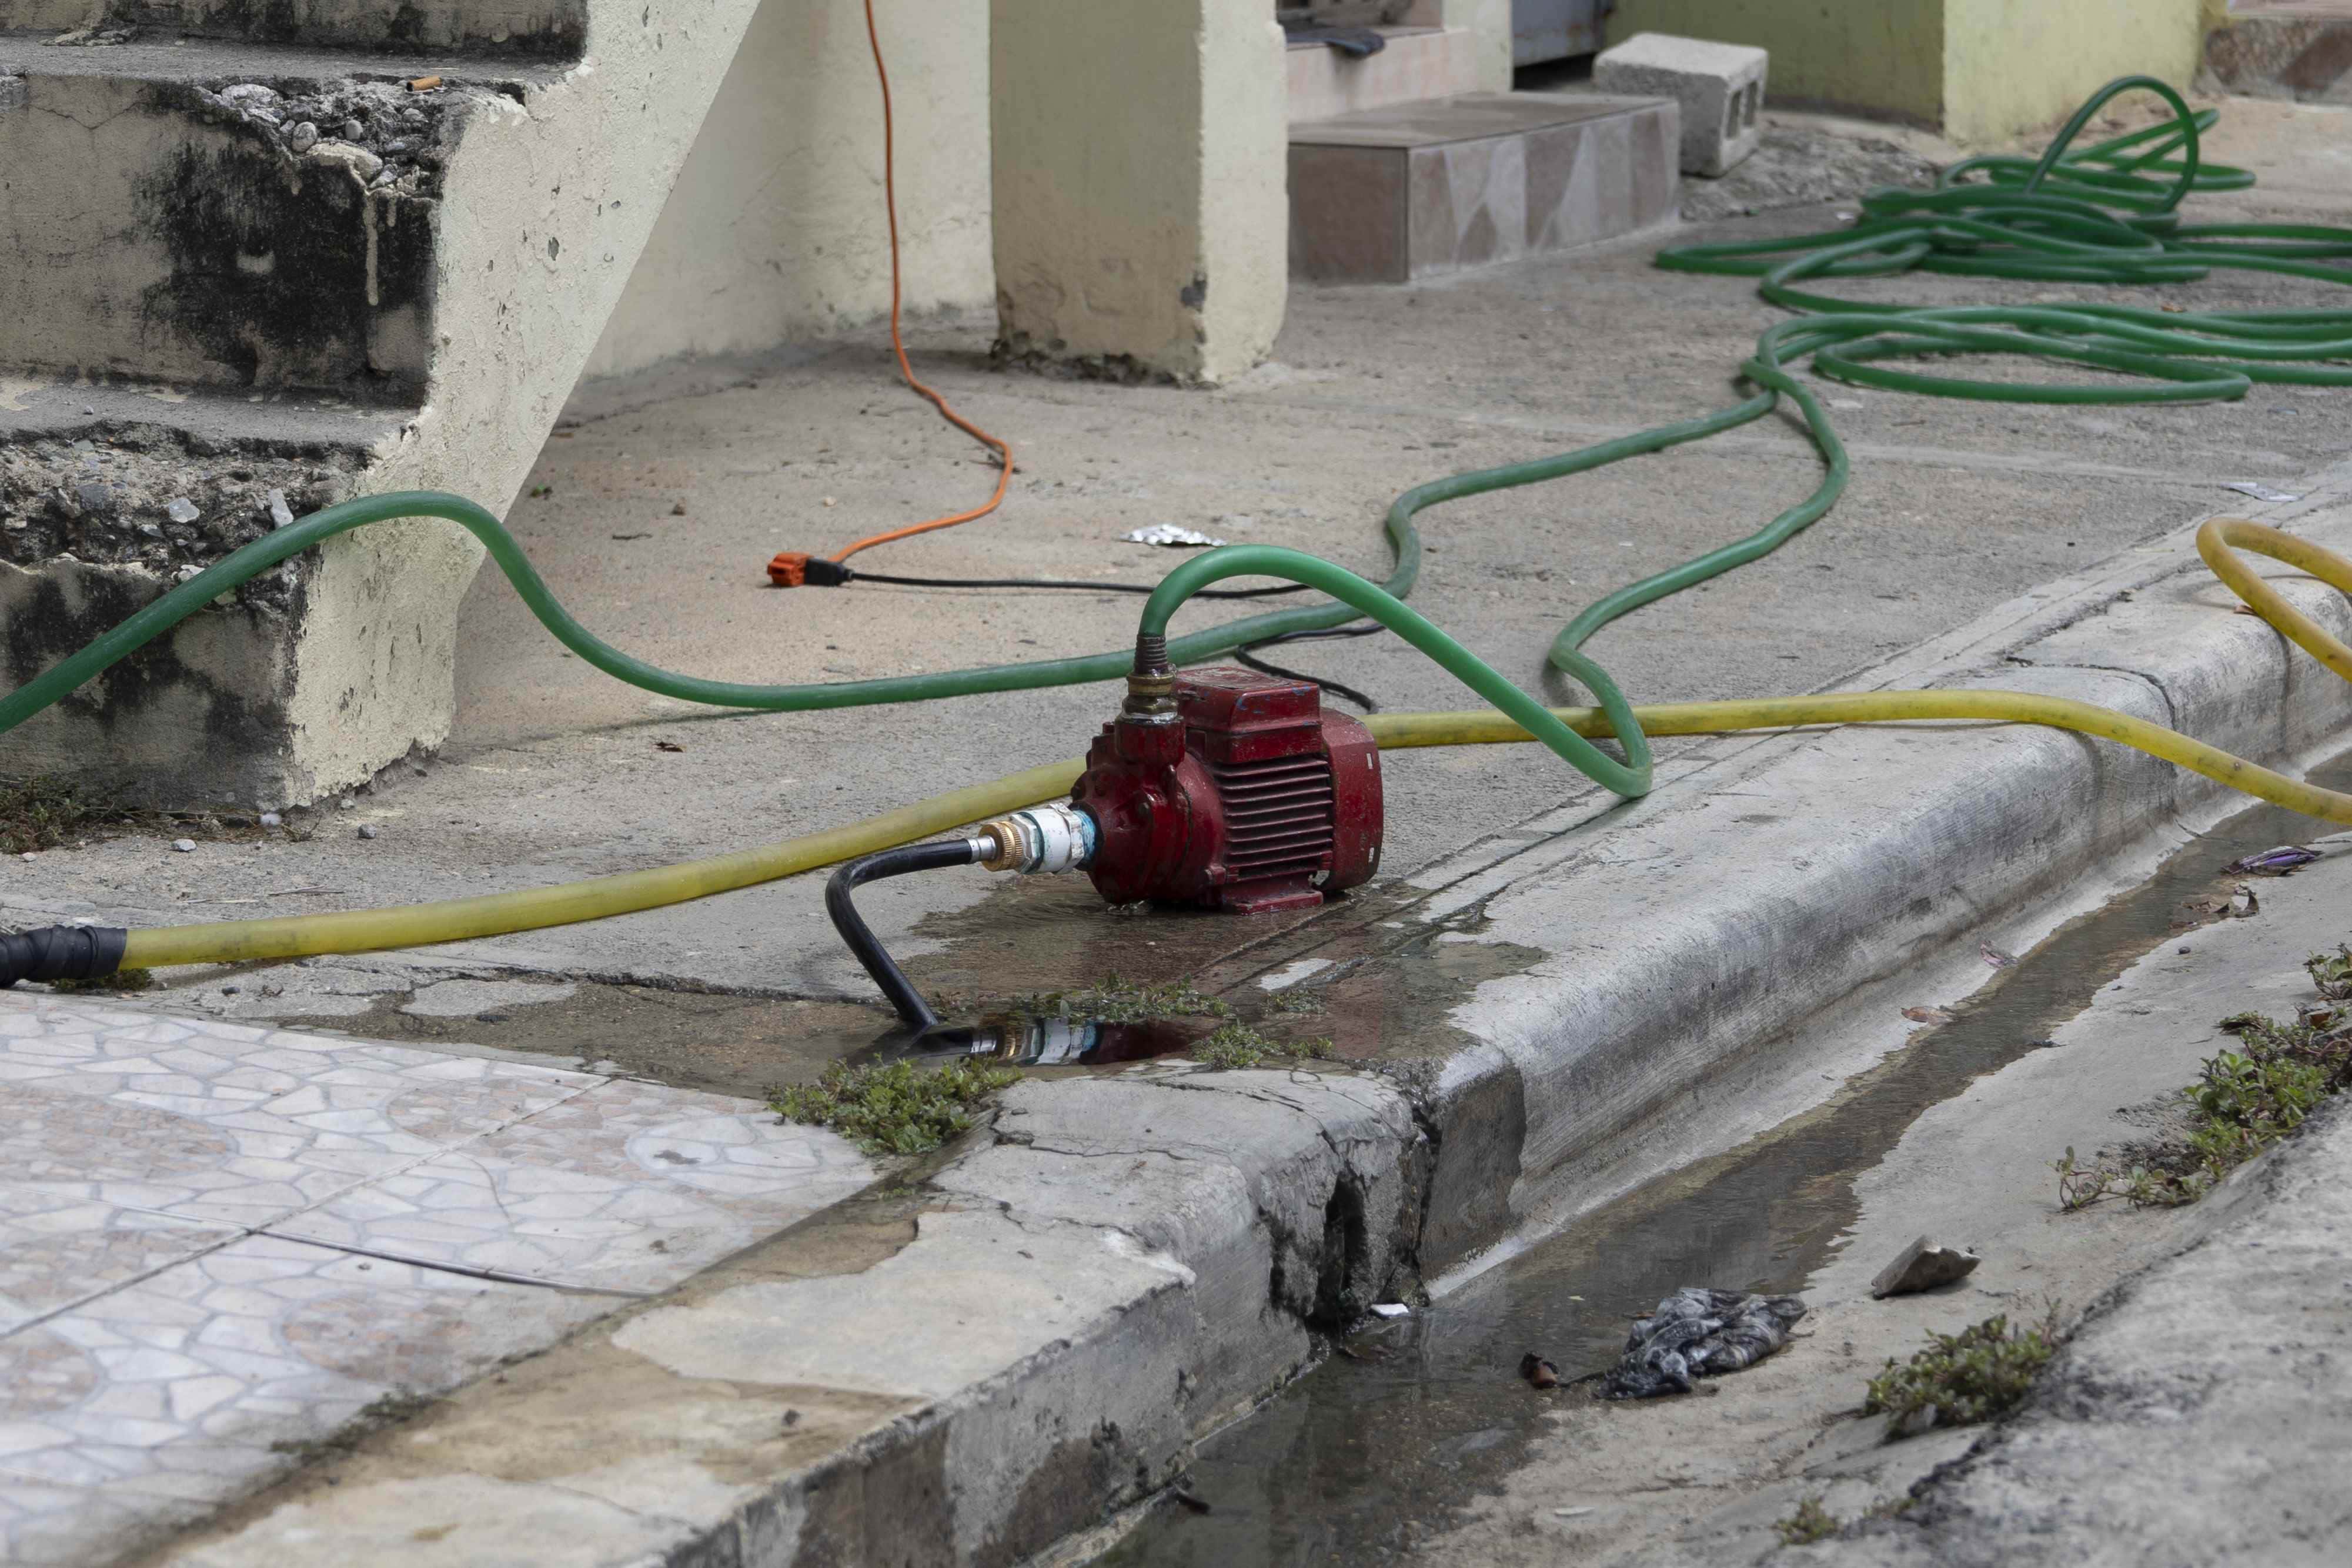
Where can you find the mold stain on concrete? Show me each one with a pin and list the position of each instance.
(280, 273)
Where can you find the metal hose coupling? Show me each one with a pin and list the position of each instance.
(61, 953)
(1151, 683)
(1059, 837)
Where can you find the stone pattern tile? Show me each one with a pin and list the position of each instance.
(1365, 213)
(216, 1241)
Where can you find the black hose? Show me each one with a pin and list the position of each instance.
(61, 953)
(1242, 655)
(851, 575)
(900, 990)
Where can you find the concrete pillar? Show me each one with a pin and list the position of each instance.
(1140, 213)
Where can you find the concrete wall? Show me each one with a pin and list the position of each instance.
(1876, 56)
(1981, 71)
(774, 231)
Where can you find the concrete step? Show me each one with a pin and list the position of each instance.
(1389, 195)
(1419, 63)
(536, 27)
(2300, 50)
(193, 311)
(177, 234)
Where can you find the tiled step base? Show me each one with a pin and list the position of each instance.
(1389, 195)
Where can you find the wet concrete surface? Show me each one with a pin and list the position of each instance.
(1384, 1443)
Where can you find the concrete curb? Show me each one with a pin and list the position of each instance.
(1123, 1263)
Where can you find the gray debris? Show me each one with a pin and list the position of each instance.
(1923, 1266)
(185, 846)
(180, 510)
(280, 513)
(353, 130)
(303, 137)
(272, 819)
(1697, 1332)
(369, 830)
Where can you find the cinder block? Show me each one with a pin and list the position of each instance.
(1720, 88)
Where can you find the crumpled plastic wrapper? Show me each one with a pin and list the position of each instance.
(1169, 535)
(1697, 1332)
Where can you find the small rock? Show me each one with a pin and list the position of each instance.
(245, 93)
(353, 130)
(368, 830)
(186, 572)
(363, 164)
(89, 408)
(272, 819)
(1923, 1266)
(1538, 1372)
(677, 508)
(180, 510)
(349, 801)
(303, 137)
(95, 498)
(185, 846)
(153, 530)
(281, 513)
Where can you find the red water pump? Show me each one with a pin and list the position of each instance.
(1235, 790)
(1221, 788)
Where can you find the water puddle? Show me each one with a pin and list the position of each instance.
(1378, 1448)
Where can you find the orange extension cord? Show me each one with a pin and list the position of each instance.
(790, 567)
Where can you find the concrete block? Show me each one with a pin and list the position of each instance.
(1418, 189)
(238, 271)
(1720, 88)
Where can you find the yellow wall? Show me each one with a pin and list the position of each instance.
(1983, 70)
(2012, 66)
(1877, 56)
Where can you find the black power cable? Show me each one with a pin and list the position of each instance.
(1337, 688)
(901, 992)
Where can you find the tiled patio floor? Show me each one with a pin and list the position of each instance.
(217, 1239)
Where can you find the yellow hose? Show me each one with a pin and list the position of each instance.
(495, 913)
(456, 920)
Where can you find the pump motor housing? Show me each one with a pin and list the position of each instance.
(1248, 797)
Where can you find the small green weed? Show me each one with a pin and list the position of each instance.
(2331, 973)
(1964, 1377)
(42, 814)
(1115, 1000)
(895, 1109)
(1294, 1001)
(1237, 1045)
(1809, 1523)
(2243, 1100)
